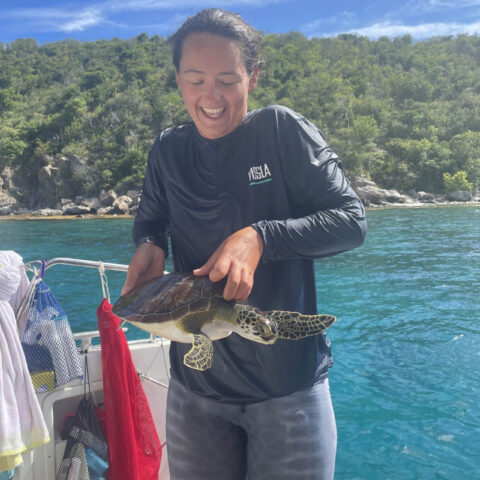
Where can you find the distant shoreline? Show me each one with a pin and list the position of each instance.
(424, 205)
(24, 217)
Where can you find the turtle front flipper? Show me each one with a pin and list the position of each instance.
(200, 356)
(293, 325)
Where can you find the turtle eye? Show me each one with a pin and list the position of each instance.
(263, 329)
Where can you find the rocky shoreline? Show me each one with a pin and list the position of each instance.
(109, 203)
(375, 197)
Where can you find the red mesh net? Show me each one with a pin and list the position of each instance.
(134, 449)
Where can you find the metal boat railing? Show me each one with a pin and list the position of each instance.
(75, 262)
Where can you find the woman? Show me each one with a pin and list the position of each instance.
(252, 197)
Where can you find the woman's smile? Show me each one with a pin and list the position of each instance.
(213, 113)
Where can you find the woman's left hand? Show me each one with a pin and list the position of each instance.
(238, 257)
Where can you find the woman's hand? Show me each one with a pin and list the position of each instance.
(237, 257)
(148, 262)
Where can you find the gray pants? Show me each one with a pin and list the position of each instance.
(287, 438)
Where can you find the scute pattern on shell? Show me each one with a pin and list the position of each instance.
(174, 295)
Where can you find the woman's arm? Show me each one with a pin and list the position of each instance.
(149, 228)
(327, 216)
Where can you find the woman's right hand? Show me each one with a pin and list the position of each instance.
(147, 263)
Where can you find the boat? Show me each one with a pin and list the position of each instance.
(150, 357)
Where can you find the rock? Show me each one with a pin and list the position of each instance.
(22, 211)
(392, 196)
(125, 198)
(104, 210)
(374, 196)
(5, 210)
(370, 195)
(107, 198)
(425, 197)
(7, 200)
(460, 196)
(65, 201)
(12, 188)
(413, 194)
(44, 190)
(47, 172)
(120, 206)
(93, 203)
(68, 169)
(135, 196)
(46, 212)
(72, 209)
(49, 180)
(6, 180)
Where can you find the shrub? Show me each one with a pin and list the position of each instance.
(458, 181)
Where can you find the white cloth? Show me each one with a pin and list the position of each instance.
(9, 257)
(24, 287)
(22, 426)
(9, 281)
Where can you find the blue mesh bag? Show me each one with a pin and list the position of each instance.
(48, 343)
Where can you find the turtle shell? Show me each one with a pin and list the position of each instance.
(168, 298)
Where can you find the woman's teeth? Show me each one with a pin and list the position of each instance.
(213, 112)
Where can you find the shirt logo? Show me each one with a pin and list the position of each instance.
(259, 174)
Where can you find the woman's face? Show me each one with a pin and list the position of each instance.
(214, 83)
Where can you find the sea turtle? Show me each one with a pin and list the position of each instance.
(190, 309)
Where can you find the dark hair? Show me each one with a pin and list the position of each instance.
(225, 24)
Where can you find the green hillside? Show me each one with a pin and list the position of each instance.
(401, 112)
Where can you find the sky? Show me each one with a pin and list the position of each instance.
(49, 21)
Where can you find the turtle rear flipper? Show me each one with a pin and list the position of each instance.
(293, 325)
(200, 356)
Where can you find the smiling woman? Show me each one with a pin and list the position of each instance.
(250, 198)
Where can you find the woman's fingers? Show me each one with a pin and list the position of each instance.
(245, 286)
(221, 267)
(237, 257)
(233, 281)
(206, 267)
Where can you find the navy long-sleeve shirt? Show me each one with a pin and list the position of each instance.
(276, 173)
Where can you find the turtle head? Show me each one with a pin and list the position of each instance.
(266, 329)
(256, 325)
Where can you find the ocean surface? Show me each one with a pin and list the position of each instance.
(406, 379)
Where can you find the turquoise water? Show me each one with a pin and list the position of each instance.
(405, 383)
